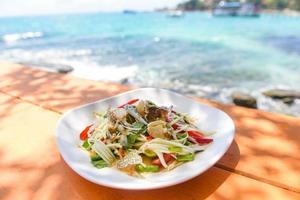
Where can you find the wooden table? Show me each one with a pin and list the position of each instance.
(262, 163)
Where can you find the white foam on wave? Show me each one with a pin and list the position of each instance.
(57, 55)
(81, 60)
(78, 59)
(14, 37)
(263, 102)
(94, 71)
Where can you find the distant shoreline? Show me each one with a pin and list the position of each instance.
(286, 12)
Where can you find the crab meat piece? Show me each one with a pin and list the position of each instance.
(141, 108)
(156, 113)
(111, 127)
(133, 158)
(157, 129)
(118, 114)
(133, 112)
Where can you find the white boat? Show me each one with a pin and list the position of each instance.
(235, 9)
(175, 13)
(129, 12)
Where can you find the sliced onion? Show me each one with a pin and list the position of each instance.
(104, 152)
(162, 160)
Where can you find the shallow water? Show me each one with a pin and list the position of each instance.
(197, 54)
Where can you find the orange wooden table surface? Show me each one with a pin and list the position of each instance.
(262, 163)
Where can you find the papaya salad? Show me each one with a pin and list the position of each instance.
(139, 137)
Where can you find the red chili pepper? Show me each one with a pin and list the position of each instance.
(175, 126)
(132, 101)
(149, 137)
(198, 136)
(167, 157)
(83, 134)
(204, 140)
(195, 133)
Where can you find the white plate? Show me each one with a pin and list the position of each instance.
(210, 119)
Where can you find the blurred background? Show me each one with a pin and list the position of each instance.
(242, 52)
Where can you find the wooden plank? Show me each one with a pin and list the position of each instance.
(213, 184)
(267, 145)
(30, 165)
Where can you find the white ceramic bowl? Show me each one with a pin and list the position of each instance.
(209, 119)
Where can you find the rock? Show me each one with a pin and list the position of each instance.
(286, 96)
(288, 100)
(282, 94)
(124, 81)
(243, 99)
(64, 69)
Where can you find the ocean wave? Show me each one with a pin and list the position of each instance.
(85, 67)
(80, 60)
(44, 55)
(94, 71)
(288, 44)
(14, 37)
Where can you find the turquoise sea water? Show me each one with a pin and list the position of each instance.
(197, 54)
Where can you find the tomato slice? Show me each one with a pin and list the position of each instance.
(168, 157)
(195, 134)
(149, 138)
(199, 137)
(204, 140)
(175, 126)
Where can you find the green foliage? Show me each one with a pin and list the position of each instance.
(191, 5)
(282, 4)
(257, 2)
(295, 5)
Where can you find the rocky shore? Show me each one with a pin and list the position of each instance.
(283, 101)
(287, 12)
(288, 97)
(243, 99)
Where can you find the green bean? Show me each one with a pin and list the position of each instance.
(187, 157)
(147, 168)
